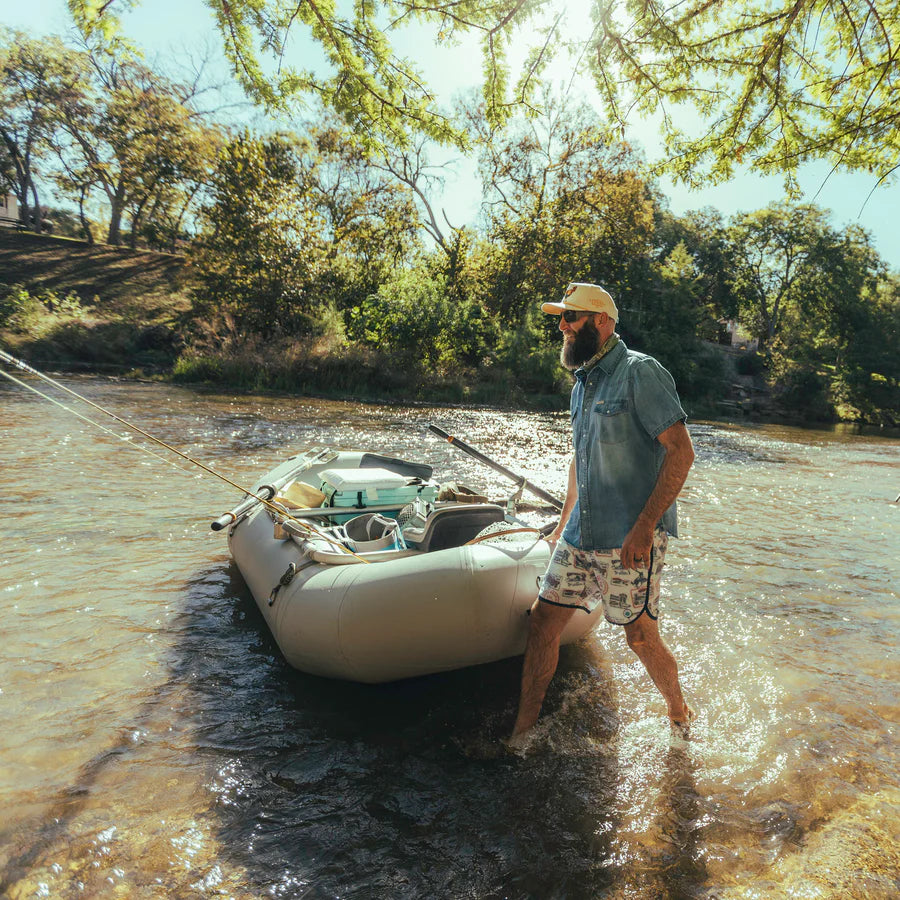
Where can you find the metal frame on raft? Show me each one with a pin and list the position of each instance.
(317, 455)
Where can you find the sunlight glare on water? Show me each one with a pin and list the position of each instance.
(156, 744)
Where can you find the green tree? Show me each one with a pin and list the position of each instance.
(778, 259)
(368, 220)
(132, 134)
(410, 166)
(563, 204)
(36, 76)
(774, 84)
(817, 299)
(413, 318)
(260, 252)
(379, 93)
(166, 209)
(868, 387)
(703, 235)
(839, 344)
(297, 224)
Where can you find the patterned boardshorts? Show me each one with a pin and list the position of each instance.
(583, 578)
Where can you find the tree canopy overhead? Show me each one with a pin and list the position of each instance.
(775, 83)
(376, 90)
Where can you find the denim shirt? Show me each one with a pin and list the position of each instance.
(618, 407)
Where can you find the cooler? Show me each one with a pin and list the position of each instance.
(362, 488)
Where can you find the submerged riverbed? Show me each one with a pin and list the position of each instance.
(155, 743)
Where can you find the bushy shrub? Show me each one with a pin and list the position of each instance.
(698, 377)
(413, 318)
(25, 312)
(325, 326)
(532, 357)
(803, 392)
(192, 369)
(20, 311)
(750, 364)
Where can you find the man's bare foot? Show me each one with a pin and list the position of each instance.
(517, 742)
(681, 724)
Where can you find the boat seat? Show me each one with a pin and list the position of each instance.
(455, 524)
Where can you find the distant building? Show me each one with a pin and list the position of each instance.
(737, 337)
(9, 210)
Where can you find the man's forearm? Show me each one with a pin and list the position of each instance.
(672, 474)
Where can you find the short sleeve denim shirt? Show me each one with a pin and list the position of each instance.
(619, 406)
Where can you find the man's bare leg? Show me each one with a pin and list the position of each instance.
(644, 638)
(541, 658)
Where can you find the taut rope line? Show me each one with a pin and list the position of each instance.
(7, 358)
(122, 437)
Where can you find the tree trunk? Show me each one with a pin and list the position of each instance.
(176, 228)
(24, 207)
(36, 207)
(117, 207)
(89, 235)
(137, 221)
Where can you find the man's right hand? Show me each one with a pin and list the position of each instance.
(553, 538)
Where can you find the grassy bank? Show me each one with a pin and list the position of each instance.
(127, 315)
(117, 283)
(119, 311)
(77, 307)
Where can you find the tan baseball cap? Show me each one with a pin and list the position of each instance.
(584, 297)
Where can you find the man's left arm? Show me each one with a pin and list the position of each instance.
(672, 474)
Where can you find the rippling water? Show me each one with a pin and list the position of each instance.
(155, 744)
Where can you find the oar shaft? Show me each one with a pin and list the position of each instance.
(497, 467)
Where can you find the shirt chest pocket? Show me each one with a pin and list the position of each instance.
(612, 420)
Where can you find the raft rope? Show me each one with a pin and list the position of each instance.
(273, 507)
(495, 535)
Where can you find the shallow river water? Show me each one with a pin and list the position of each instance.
(155, 744)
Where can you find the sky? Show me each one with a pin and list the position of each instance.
(169, 28)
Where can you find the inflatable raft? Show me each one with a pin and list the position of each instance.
(364, 571)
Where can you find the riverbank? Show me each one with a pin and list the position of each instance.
(70, 307)
(117, 311)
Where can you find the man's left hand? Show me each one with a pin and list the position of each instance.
(636, 547)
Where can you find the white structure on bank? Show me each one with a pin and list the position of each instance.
(9, 210)
(740, 340)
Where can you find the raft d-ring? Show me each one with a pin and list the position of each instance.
(285, 580)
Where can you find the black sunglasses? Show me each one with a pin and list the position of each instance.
(573, 315)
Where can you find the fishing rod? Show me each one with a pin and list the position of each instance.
(122, 437)
(486, 460)
(23, 366)
(7, 358)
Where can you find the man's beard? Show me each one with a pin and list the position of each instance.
(581, 348)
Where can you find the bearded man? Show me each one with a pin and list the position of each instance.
(632, 456)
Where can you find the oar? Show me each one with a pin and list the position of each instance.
(476, 454)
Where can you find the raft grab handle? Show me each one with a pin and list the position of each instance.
(266, 491)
